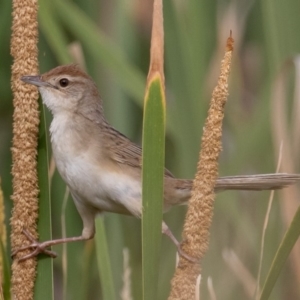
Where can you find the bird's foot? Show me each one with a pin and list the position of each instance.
(168, 232)
(186, 256)
(36, 246)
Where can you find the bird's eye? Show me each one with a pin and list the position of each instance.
(64, 82)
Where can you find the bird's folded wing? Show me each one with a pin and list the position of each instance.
(126, 152)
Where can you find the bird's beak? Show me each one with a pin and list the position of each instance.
(35, 80)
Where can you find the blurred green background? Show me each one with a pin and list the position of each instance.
(111, 40)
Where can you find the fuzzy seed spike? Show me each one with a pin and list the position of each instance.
(200, 210)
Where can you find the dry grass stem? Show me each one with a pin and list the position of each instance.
(197, 288)
(266, 221)
(280, 132)
(75, 49)
(295, 124)
(211, 290)
(200, 210)
(24, 149)
(241, 272)
(126, 289)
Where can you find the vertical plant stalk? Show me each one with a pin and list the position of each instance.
(200, 210)
(2, 230)
(24, 149)
(285, 130)
(3, 248)
(153, 158)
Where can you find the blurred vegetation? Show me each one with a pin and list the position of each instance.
(114, 37)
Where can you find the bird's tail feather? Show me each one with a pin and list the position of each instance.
(260, 182)
(256, 182)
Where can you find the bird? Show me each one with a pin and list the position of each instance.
(101, 166)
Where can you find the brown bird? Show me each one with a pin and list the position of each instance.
(101, 166)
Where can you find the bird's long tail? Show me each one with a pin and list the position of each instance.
(256, 182)
(247, 183)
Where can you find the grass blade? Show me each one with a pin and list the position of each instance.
(281, 256)
(103, 258)
(153, 170)
(153, 159)
(44, 279)
(53, 33)
(101, 48)
(5, 272)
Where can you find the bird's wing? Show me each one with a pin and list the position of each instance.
(124, 151)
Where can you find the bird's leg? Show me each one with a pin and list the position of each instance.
(166, 230)
(88, 232)
(41, 247)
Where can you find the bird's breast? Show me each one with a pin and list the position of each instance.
(91, 176)
(100, 187)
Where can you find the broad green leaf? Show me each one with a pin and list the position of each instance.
(153, 173)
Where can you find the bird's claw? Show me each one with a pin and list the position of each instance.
(36, 246)
(186, 256)
(168, 232)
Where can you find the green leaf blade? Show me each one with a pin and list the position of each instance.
(281, 256)
(153, 175)
(53, 32)
(103, 259)
(44, 280)
(101, 48)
